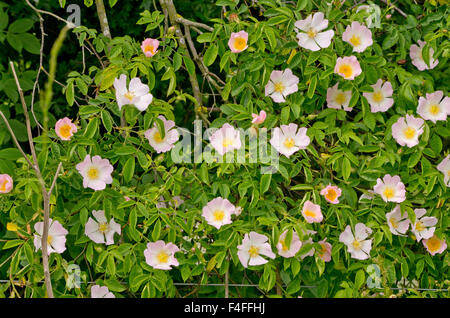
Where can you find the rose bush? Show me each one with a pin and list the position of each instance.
(134, 181)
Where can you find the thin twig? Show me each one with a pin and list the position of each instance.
(395, 8)
(54, 179)
(195, 24)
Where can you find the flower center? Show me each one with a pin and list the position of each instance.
(356, 244)
(394, 223)
(240, 43)
(253, 251)
(355, 40)
(3, 186)
(331, 195)
(310, 213)
(65, 131)
(346, 70)
(284, 246)
(419, 226)
(157, 137)
(218, 215)
(377, 97)
(49, 239)
(340, 98)
(162, 257)
(227, 142)
(433, 244)
(311, 33)
(323, 249)
(103, 227)
(279, 87)
(149, 48)
(409, 132)
(93, 173)
(434, 109)
(388, 193)
(129, 95)
(289, 143)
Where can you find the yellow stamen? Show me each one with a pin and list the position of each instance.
(49, 239)
(311, 33)
(409, 132)
(331, 195)
(340, 98)
(419, 226)
(394, 223)
(357, 244)
(218, 215)
(227, 142)
(253, 251)
(129, 96)
(162, 257)
(149, 48)
(93, 173)
(65, 131)
(389, 193)
(279, 87)
(284, 246)
(355, 40)
(289, 143)
(103, 227)
(377, 97)
(3, 186)
(346, 69)
(433, 244)
(310, 213)
(239, 44)
(157, 137)
(434, 109)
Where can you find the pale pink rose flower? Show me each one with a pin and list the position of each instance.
(292, 249)
(238, 41)
(155, 139)
(424, 226)
(287, 140)
(281, 84)
(100, 230)
(357, 245)
(96, 173)
(444, 167)
(398, 223)
(415, 53)
(331, 193)
(238, 211)
(56, 239)
(137, 94)
(253, 246)
(406, 130)
(325, 252)
(150, 47)
(309, 35)
(127, 198)
(312, 213)
(391, 189)
(348, 67)
(259, 119)
(65, 129)
(225, 139)
(433, 107)
(309, 240)
(359, 36)
(380, 99)
(160, 255)
(218, 211)
(6, 183)
(434, 245)
(338, 99)
(98, 291)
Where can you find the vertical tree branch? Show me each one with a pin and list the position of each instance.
(103, 18)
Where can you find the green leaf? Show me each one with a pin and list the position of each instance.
(156, 231)
(21, 26)
(70, 93)
(114, 285)
(12, 243)
(128, 169)
(107, 120)
(359, 279)
(10, 154)
(346, 168)
(190, 66)
(312, 87)
(271, 37)
(414, 159)
(265, 183)
(91, 128)
(210, 55)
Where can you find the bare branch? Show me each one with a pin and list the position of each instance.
(195, 24)
(54, 179)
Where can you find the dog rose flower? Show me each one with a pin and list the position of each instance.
(391, 189)
(292, 249)
(287, 140)
(424, 226)
(56, 239)
(218, 212)
(433, 107)
(348, 67)
(100, 230)
(160, 255)
(398, 223)
(238, 41)
(444, 167)
(158, 143)
(415, 52)
(312, 213)
(358, 36)
(253, 246)
(357, 245)
(96, 173)
(406, 130)
(150, 47)
(281, 84)
(65, 129)
(225, 139)
(331, 193)
(137, 94)
(380, 99)
(311, 38)
(6, 183)
(98, 291)
(338, 99)
(434, 245)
